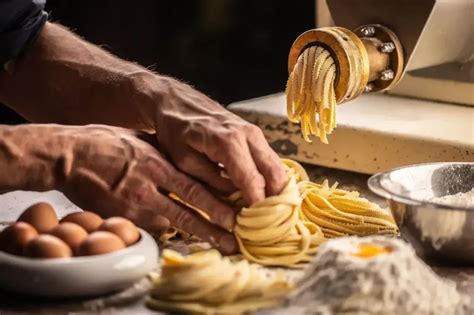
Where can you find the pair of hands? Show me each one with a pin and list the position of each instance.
(117, 171)
(62, 78)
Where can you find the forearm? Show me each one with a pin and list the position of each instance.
(42, 157)
(64, 79)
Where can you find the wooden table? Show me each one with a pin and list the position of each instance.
(131, 301)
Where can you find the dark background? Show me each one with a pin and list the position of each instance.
(229, 49)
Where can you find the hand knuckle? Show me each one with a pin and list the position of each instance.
(158, 166)
(280, 176)
(223, 145)
(182, 161)
(256, 180)
(183, 219)
(253, 130)
(230, 137)
(136, 194)
(130, 214)
(192, 189)
(277, 180)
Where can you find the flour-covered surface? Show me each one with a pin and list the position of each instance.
(131, 300)
(13, 203)
(376, 275)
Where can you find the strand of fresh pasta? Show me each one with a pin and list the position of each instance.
(206, 282)
(310, 95)
(271, 232)
(281, 230)
(338, 212)
(287, 229)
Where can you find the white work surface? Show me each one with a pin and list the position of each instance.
(375, 132)
(131, 300)
(14, 203)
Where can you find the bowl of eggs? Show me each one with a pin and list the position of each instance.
(79, 255)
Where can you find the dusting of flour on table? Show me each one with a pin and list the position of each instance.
(376, 275)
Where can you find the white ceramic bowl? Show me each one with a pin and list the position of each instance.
(79, 276)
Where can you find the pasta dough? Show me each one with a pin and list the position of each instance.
(310, 95)
(206, 282)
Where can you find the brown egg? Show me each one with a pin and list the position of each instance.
(88, 220)
(100, 242)
(41, 216)
(123, 228)
(47, 246)
(71, 233)
(14, 237)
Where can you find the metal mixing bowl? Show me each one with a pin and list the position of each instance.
(437, 231)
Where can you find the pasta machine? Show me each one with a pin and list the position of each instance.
(405, 73)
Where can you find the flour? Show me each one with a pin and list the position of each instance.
(465, 200)
(446, 225)
(391, 283)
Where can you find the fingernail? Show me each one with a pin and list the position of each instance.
(277, 187)
(160, 224)
(257, 196)
(228, 222)
(228, 244)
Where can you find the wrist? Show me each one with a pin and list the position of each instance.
(157, 93)
(152, 93)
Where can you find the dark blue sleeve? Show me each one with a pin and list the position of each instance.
(20, 21)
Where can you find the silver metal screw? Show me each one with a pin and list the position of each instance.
(387, 75)
(369, 87)
(387, 47)
(368, 31)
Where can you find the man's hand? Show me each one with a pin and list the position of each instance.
(112, 171)
(201, 136)
(71, 81)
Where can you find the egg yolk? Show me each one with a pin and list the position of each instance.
(371, 250)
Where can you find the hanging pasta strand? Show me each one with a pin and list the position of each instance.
(310, 96)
